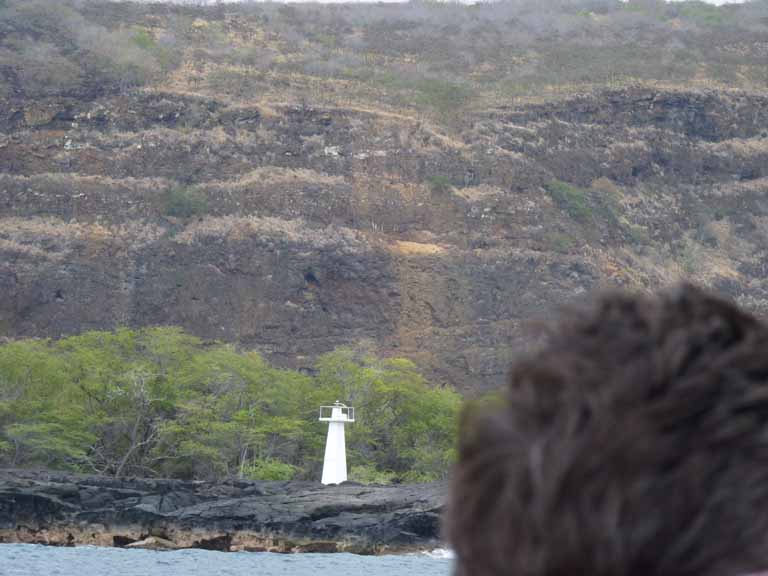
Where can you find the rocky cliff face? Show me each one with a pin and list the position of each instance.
(294, 228)
(67, 510)
(324, 227)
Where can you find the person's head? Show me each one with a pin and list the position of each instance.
(633, 442)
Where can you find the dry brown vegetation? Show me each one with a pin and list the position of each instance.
(424, 58)
(235, 229)
(498, 158)
(55, 239)
(276, 175)
(407, 248)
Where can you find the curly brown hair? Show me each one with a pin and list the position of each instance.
(634, 442)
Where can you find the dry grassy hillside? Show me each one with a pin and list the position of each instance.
(420, 178)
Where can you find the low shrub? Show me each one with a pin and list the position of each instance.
(269, 469)
(439, 184)
(572, 199)
(183, 202)
(369, 474)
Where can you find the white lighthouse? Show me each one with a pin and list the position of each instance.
(335, 463)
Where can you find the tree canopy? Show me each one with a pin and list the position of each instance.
(160, 402)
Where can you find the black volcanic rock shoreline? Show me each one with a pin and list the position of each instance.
(68, 509)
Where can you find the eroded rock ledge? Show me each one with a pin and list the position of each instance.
(67, 509)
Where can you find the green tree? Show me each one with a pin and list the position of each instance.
(158, 401)
(403, 425)
(129, 382)
(237, 411)
(42, 421)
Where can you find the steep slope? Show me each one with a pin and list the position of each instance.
(297, 224)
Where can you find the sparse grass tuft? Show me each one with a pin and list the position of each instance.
(562, 243)
(703, 13)
(183, 202)
(439, 184)
(369, 474)
(600, 202)
(443, 96)
(572, 199)
(144, 40)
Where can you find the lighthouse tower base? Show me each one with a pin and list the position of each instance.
(335, 463)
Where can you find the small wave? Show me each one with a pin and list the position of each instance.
(440, 554)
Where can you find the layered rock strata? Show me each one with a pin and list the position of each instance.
(67, 510)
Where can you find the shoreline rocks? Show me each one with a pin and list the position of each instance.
(63, 509)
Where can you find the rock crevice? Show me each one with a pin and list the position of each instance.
(67, 509)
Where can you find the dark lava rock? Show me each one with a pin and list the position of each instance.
(68, 509)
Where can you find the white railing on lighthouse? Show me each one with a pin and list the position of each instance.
(335, 463)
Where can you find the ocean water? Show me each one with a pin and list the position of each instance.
(34, 560)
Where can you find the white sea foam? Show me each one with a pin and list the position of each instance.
(440, 554)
